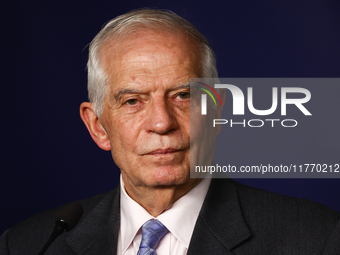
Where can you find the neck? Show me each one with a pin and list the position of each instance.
(156, 200)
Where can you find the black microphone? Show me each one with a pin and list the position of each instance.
(66, 219)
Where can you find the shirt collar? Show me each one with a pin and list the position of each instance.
(180, 219)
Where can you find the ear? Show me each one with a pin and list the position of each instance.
(219, 110)
(94, 126)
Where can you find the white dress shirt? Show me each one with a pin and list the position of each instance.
(180, 220)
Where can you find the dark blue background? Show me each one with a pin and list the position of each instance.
(47, 155)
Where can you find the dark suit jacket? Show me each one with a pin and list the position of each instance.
(234, 219)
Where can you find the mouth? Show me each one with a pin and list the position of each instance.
(161, 152)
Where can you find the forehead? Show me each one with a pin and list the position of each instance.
(150, 55)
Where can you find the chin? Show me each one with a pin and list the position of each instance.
(166, 176)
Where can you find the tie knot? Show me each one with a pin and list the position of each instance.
(152, 233)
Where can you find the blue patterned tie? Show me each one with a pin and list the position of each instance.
(152, 233)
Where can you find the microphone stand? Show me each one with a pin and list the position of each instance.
(58, 229)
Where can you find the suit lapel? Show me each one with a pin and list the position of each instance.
(220, 225)
(219, 228)
(98, 232)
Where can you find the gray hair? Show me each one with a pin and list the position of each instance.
(126, 24)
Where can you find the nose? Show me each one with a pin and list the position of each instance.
(161, 117)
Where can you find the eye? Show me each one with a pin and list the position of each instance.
(184, 95)
(131, 101)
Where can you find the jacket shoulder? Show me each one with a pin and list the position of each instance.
(34, 232)
(268, 203)
(299, 224)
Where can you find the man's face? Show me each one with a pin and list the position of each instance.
(146, 112)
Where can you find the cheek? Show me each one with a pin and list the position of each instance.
(122, 146)
(123, 134)
(197, 127)
(183, 119)
(202, 140)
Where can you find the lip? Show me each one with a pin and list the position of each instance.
(162, 151)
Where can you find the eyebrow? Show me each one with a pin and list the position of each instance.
(119, 94)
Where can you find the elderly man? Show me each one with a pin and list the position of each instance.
(139, 71)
